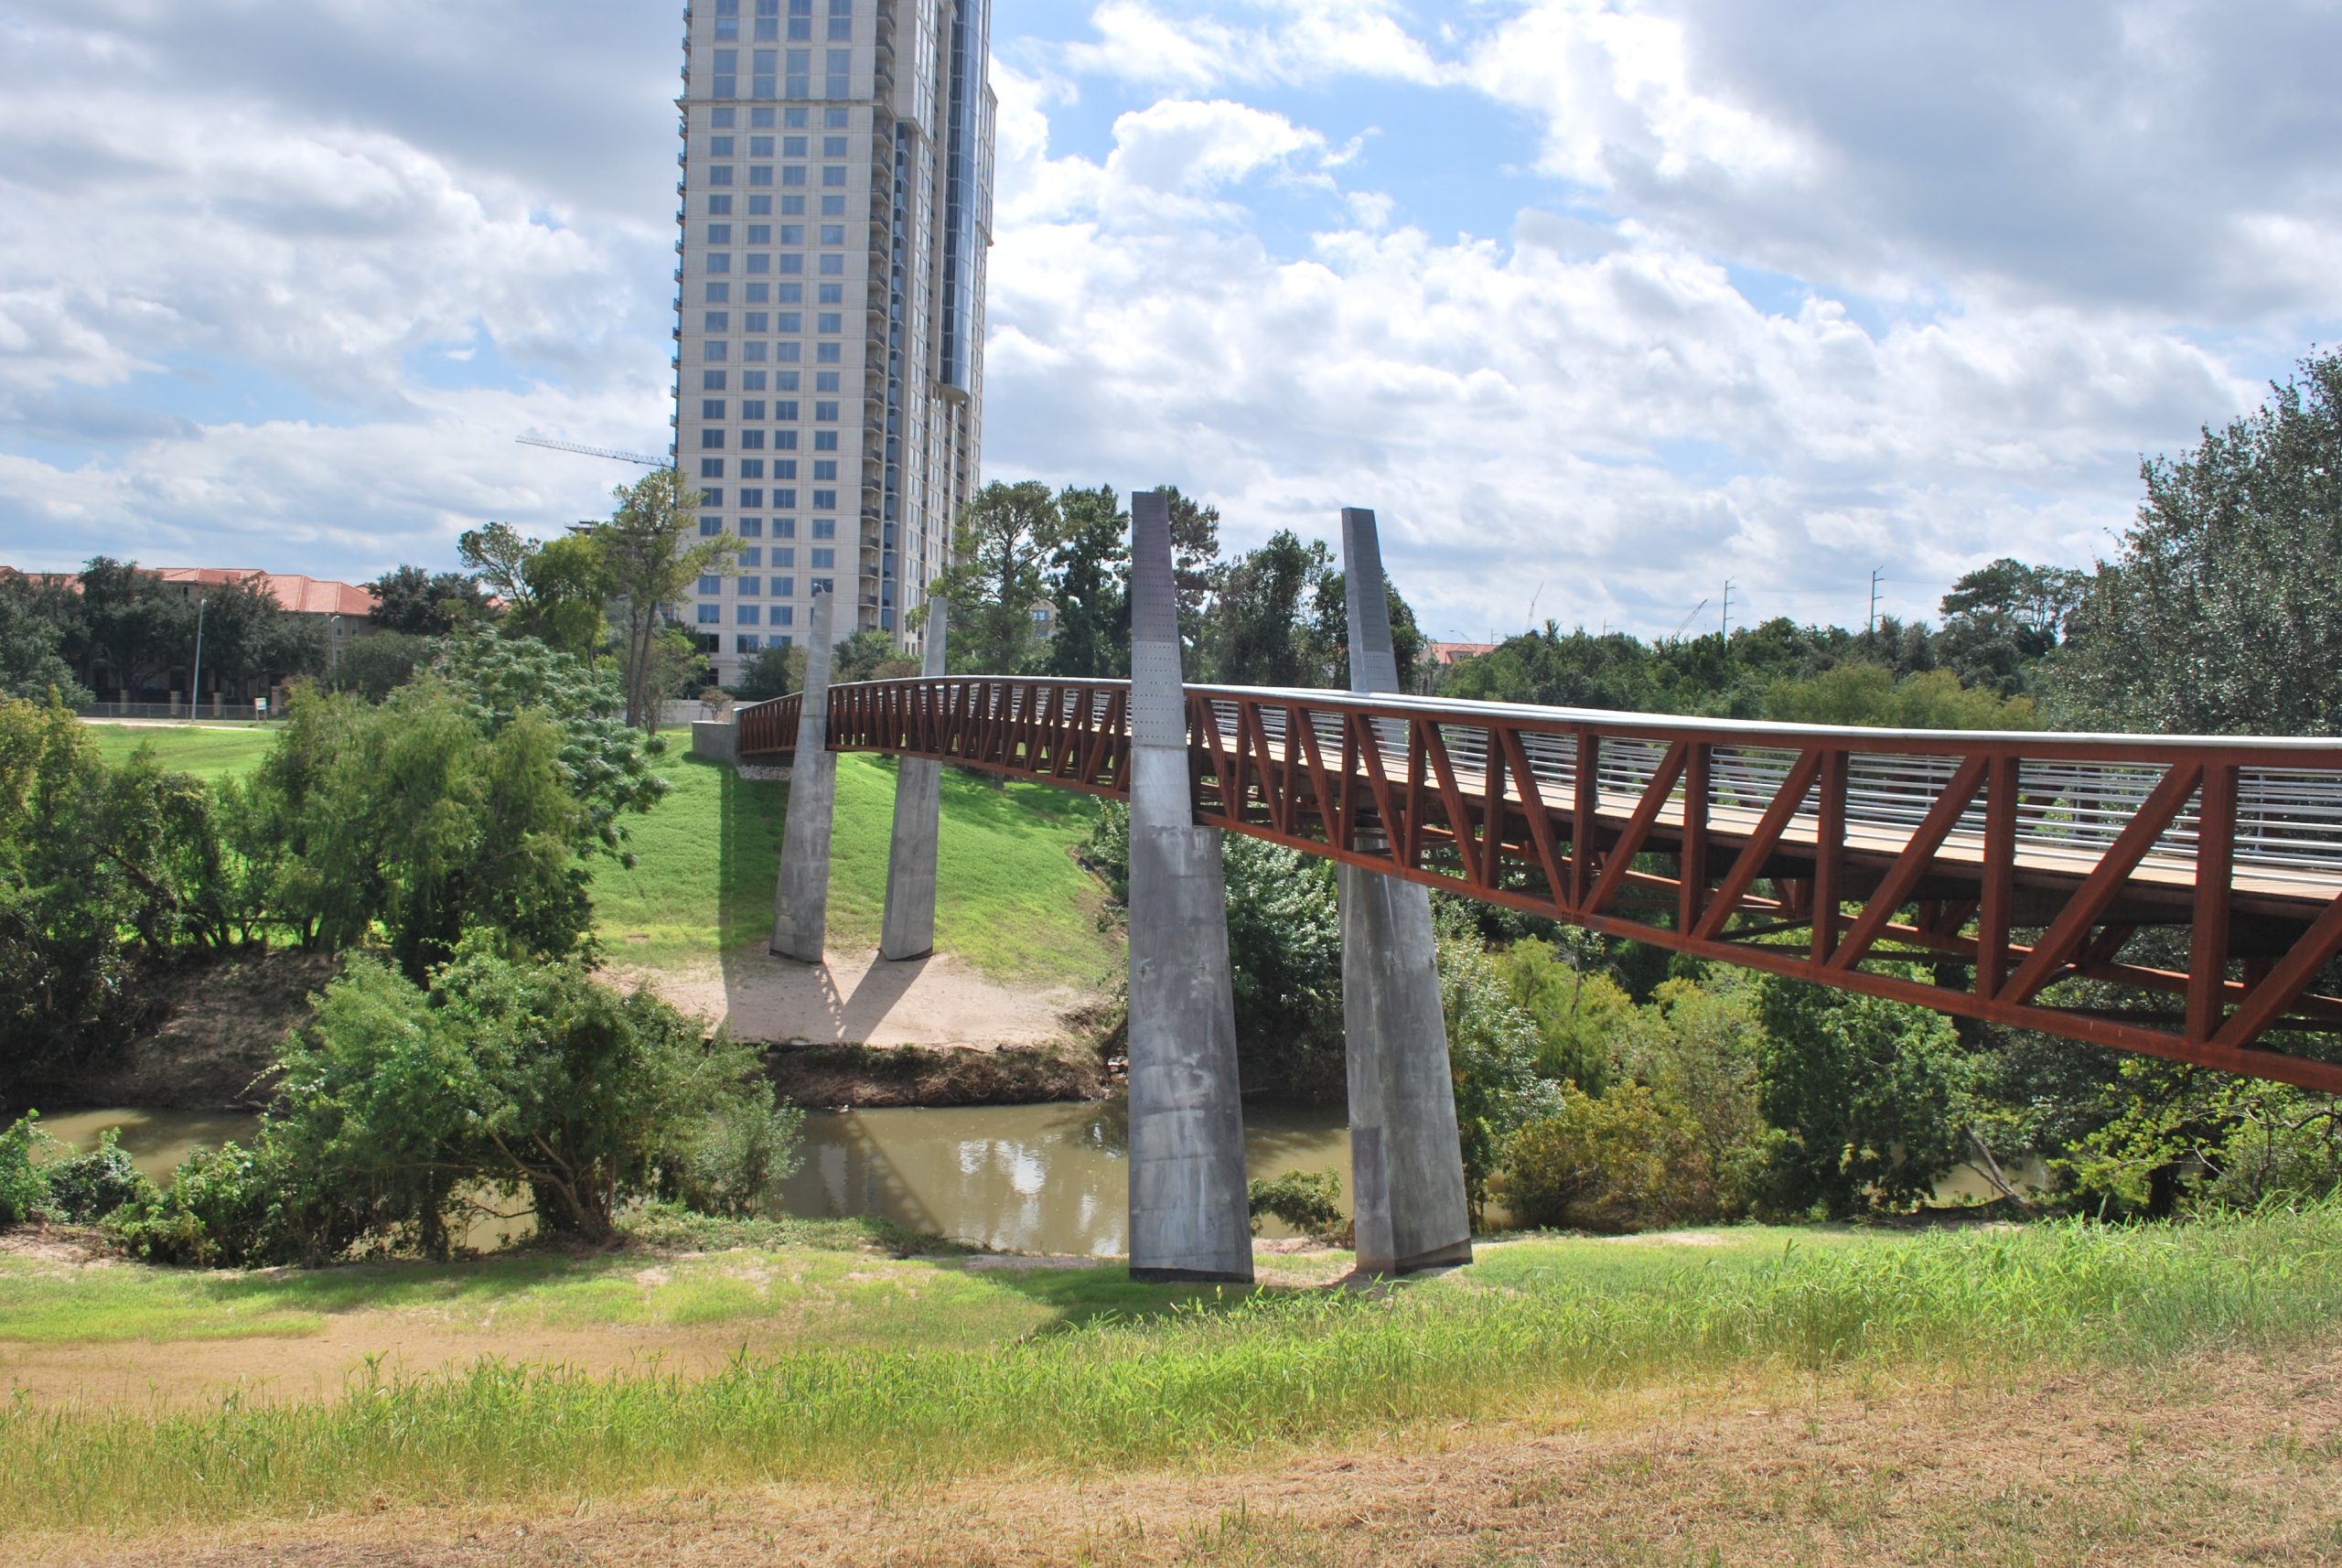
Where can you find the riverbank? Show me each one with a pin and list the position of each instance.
(2059, 1391)
(865, 1078)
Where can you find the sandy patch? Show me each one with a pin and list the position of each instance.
(855, 999)
(65, 1247)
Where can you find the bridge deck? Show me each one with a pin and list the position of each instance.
(2205, 870)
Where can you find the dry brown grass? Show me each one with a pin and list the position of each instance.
(2230, 1461)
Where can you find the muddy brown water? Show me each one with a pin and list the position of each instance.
(1020, 1178)
(1025, 1179)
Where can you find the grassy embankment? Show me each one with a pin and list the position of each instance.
(1010, 900)
(210, 753)
(920, 1370)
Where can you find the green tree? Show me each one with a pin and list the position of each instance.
(103, 870)
(1628, 1161)
(1577, 1011)
(570, 586)
(1285, 950)
(555, 590)
(405, 1106)
(604, 762)
(775, 671)
(1999, 619)
(1492, 1054)
(433, 827)
(2223, 613)
(424, 603)
(32, 645)
(1868, 1097)
(135, 629)
(1864, 694)
(499, 556)
(1258, 631)
(1088, 580)
(375, 666)
(653, 552)
(1697, 1044)
(1195, 569)
(528, 1078)
(868, 655)
(1000, 550)
(1577, 669)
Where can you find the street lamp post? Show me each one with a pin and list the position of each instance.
(195, 677)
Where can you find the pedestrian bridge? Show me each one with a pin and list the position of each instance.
(2207, 872)
(2179, 898)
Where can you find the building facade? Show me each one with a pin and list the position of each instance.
(836, 213)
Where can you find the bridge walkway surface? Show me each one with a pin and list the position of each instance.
(2178, 896)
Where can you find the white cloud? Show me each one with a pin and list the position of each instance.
(1305, 41)
(1615, 420)
(1782, 294)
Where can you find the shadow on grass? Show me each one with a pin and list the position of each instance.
(1080, 1298)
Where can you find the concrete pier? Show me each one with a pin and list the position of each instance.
(1406, 1159)
(1189, 1216)
(909, 930)
(801, 901)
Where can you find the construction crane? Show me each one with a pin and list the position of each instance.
(583, 451)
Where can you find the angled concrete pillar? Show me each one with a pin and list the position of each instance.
(1189, 1216)
(800, 904)
(909, 930)
(1406, 1159)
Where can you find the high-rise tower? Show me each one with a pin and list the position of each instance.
(836, 212)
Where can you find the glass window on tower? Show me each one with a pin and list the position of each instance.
(841, 20)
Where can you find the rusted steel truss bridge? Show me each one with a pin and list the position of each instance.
(2019, 878)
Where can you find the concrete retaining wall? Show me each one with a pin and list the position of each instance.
(717, 740)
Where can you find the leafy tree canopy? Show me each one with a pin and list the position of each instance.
(2223, 613)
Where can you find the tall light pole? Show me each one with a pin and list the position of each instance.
(194, 678)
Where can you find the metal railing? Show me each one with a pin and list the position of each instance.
(1718, 837)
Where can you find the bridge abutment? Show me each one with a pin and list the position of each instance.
(801, 897)
(1407, 1194)
(908, 930)
(1189, 1218)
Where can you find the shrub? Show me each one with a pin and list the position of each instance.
(1577, 1011)
(747, 1150)
(85, 1189)
(1310, 1203)
(1872, 1096)
(1628, 1161)
(1491, 1053)
(226, 1208)
(24, 1179)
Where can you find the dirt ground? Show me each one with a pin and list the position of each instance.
(2230, 1461)
(853, 999)
(217, 1027)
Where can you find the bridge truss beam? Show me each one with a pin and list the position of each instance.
(2179, 899)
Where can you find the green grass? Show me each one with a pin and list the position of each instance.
(1110, 1378)
(210, 753)
(1010, 900)
(790, 1278)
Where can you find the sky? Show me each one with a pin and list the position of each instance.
(1600, 303)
